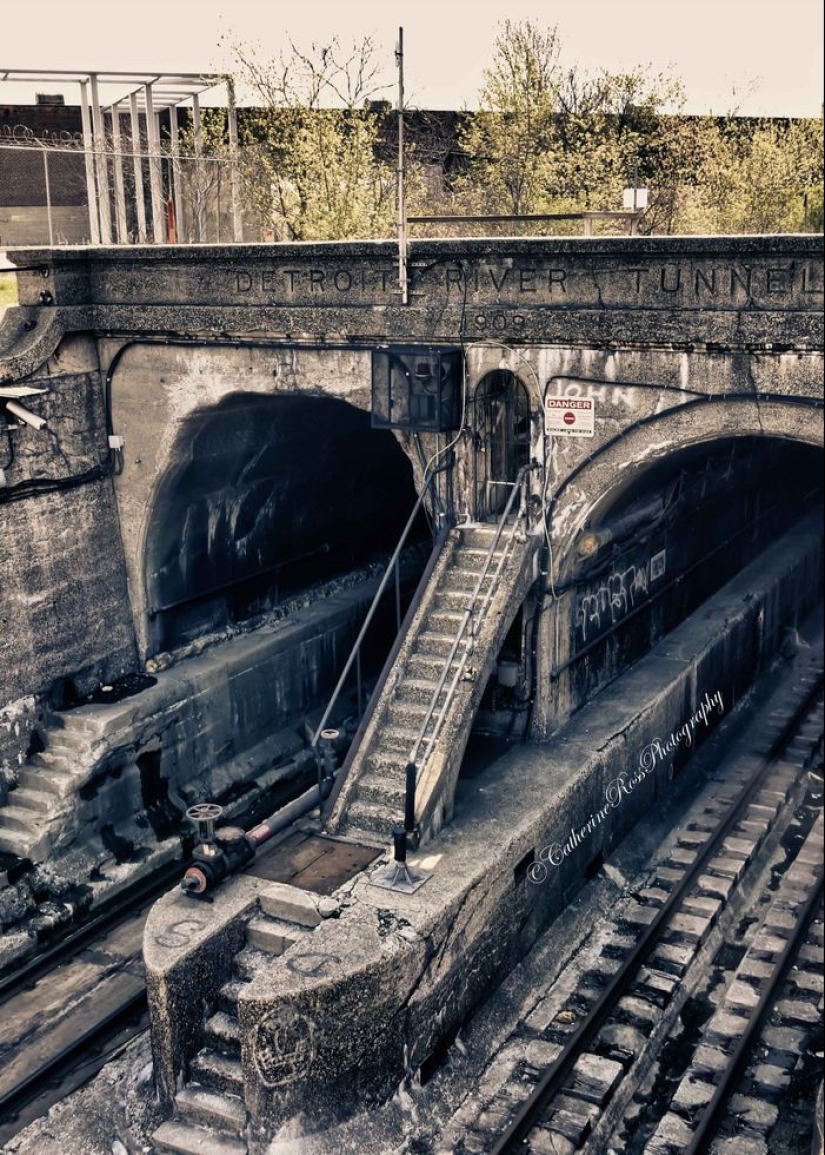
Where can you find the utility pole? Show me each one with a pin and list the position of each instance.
(402, 204)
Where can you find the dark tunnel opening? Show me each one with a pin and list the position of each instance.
(269, 496)
(675, 534)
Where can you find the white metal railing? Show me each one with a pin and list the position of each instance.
(473, 617)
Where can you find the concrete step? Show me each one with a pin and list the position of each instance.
(423, 667)
(54, 782)
(434, 642)
(38, 801)
(407, 712)
(441, 620)
(476, 537)
(18, 818)
(450, 601)
(50, 761)
(292, 906)
(15, 842)
(75, 740)
(222, 1032)
(374, 819)
(228, 996)
(217, 1072)
(248, 962)
(196, 1105)
(271, 935)
(418, 690)
(462, 579)
(79, 723)
(383, 790)
(399, 739)
(184, 1139)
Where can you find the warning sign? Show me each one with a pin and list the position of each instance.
(569, 417)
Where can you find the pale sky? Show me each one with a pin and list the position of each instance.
(767, 51)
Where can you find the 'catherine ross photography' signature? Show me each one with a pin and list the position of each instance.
(622, 786)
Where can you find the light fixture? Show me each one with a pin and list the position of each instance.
(26, 415)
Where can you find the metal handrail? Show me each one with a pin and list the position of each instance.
(355, 654)
(517, 487)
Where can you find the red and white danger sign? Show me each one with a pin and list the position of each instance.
(569, 417)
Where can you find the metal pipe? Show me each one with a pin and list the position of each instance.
(285, 816)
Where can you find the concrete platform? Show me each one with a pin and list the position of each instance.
(360, 1000)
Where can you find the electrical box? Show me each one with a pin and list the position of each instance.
(416, 387)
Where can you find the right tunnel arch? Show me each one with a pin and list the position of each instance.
(654, 523)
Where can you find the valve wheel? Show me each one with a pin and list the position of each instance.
(204, 812)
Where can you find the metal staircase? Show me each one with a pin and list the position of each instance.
(426, 708)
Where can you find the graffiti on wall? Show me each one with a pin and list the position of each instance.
(605, 605)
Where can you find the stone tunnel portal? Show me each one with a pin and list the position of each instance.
(663, 541)
(265, 497)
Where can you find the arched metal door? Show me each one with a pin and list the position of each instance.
(502, 439)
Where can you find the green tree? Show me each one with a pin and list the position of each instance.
(310, 151)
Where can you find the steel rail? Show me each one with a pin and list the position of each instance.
(551, 1082)
(712, 1117)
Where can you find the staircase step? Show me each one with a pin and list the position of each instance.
(54, 782)
(197, 1105)
(228, 996)
(53, 762)
(184, 1139)
(16, 842)
(434, 642)
(38, 801)
(78, 723)
(217, 1072)
(375, 818)
(443, 621)
(399, 739)
(462, 579)
(451, 601)
(248, 962)
(222, 1032)
(266, 934)
(75, 740)
(382, 790)
(418, 690)
(18, 818)
(428, 667)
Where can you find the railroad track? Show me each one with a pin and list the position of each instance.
(71, 1009)
(602, 1040)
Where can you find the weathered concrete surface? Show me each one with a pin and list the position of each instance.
(369, 996)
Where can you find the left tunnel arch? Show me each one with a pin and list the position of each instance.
(266, 495)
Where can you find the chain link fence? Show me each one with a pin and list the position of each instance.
(49, 195)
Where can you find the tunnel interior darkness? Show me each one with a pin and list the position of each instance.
(675, 533)
(267, 496)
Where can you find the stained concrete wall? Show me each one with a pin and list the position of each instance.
(63, 608)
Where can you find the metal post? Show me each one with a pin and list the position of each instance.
(397, 596)
(402, 206)
(91, 186)
(137, 164)
(176, 190)
(232, 118)
(120, 193)
(198, 206)
(101, 165)
(48, 196)
(360, 683)
(155, 175)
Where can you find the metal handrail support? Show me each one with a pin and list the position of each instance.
(471, 616)
(392, 568)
